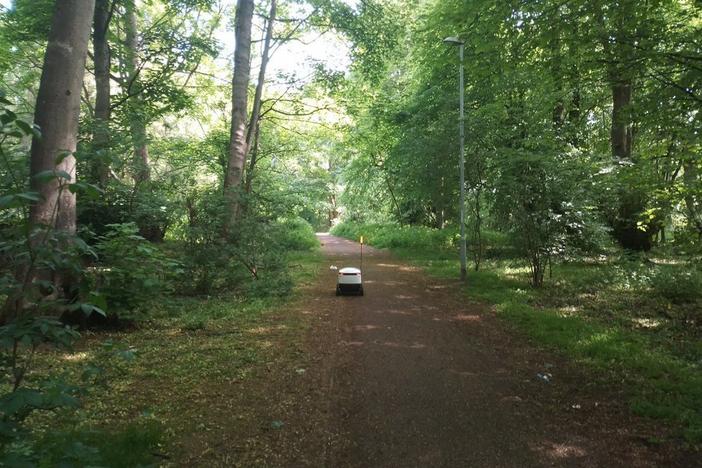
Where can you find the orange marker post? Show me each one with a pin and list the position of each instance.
(361, 254)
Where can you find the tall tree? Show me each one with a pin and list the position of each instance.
(135, 104)
(101, 59)
(57, 112)
(238, 147)
(252, 133)
(52, 163)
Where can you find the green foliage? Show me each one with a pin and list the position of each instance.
(153, 210)
(40, 261)
(24, 392)
(546, 215)
(538, 121)
(678, 286)
(252, 258)
(19, 341)
(396, 236)
(297, 234)
(136, 444)
(175, 38)
(132, 271)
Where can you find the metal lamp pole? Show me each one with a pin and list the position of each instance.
(457, 42)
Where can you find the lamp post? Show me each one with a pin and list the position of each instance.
(461, 165)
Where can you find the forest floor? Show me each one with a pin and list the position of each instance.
(413, 374)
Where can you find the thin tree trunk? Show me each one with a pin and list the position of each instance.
(254, 130)
(57, 112)
(574, 115)
(242, 68)
(101, 58)
(559, 110)
(252, 160)
(478, 224)
(256, 111)
(137, 121)
(397, 206)
(632, 201)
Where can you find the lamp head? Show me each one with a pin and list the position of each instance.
(453, 40)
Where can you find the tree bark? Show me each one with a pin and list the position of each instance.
(137, 120)
(252, 161)
(238, 147)
(256, 111)
(622, 132)
(254, 129)
(57, 112)
(622, 69)
(101, 59)
(559, 110)
(397, 205)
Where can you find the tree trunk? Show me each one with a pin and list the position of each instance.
(559, 110)
(57, 112)
(632, 201)
(252, 161)
(622, 68)
(137, 120)
(574, 115)
(256, 111)
(254, 130)
(621, 133)
(101, 58)
(238, 147)
(396, 205)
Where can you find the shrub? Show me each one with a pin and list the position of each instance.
(677, 285)
(151, 210)
(24, 393)
(395, 236)
(297, 234)
(132, 445)
(132, 271)
(251, 258)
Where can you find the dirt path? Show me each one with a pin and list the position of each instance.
(412, 374)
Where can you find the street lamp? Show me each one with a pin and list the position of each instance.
(457, 42)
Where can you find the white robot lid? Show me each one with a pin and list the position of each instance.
(350, 270)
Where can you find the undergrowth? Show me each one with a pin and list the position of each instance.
(192, 351)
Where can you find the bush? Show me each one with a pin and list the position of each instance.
(253, 257)
(677, 285)
(132, 271)
(297, 234)
(151, 210)
(132, 445)
(395, 236)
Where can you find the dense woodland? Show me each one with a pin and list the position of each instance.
(149, 169)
